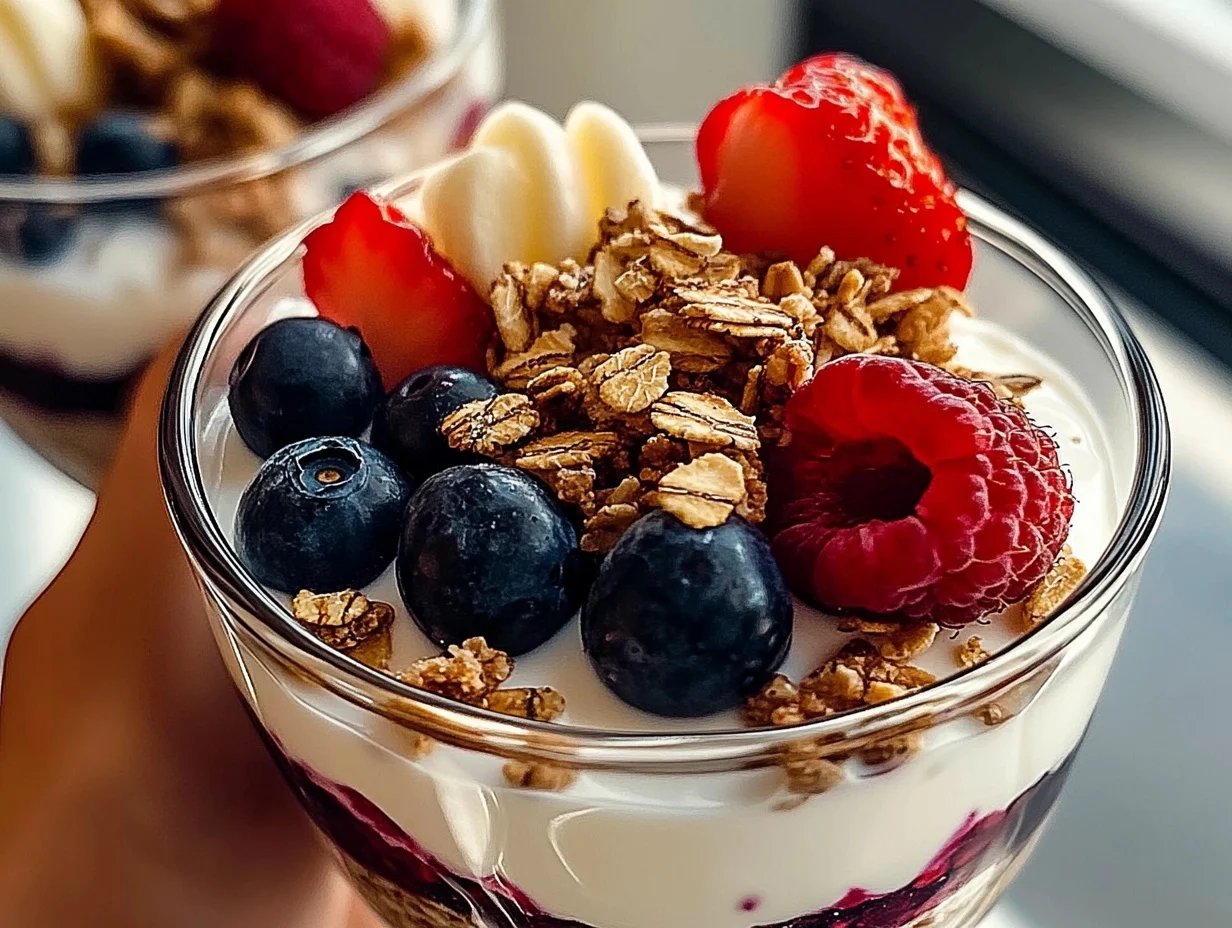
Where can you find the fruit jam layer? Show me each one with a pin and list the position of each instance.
(381, 853)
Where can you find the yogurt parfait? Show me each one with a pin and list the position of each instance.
(597, 549)
(147, 147)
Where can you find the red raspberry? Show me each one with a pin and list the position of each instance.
(832, 154)
(909, 493)
(318, 56)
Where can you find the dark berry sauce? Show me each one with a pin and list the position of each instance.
(374, 843)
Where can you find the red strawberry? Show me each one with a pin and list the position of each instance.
(832, 154)
(373, 269)
(317, 56)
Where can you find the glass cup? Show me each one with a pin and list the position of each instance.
(937, 809)
(98, 274)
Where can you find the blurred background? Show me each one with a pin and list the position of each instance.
(1106, 124)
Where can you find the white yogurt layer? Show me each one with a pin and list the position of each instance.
(639, 851)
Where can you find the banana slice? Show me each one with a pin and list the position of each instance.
(614, 167)
(539, 145)
(47, 64)
(476, 210)
(530, 189)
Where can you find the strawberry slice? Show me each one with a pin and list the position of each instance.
(373, 269)
(832, 154)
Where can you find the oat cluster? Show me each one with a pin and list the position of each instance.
(342, 620)
(858, 675)
(474, 673)
(656, 374)
(971, 652)
(1053, 590)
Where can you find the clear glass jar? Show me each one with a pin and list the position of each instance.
(98, 274)
(937, 808)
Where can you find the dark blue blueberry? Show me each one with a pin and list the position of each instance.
(302, 378)
(36, 233)
(122, 143)
(16, 148)
(45, 234)
(685, 622)
(488, 551)
(407, 424)
(321, 515)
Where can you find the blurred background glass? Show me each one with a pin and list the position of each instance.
(1106, 124)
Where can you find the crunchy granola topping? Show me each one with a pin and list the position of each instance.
(550, 350)
(706, 419)
(604, 528)
(857, 676)
(474, 673)
(537, 703)
(678, 349)
(1054, 589)
(467, 673)
(531, 775)
(489, 427)
(971, 652)
(908, 641)
(342, 620)
(893, 750)
(809, 772)
(704, 492)
(567, 450)
(633, 378)
(1011, 387)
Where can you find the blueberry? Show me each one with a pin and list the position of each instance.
(407, 424)
(17, 157)
(122, 143)
(45, 234)
(323, 515)
(685, 622)
(487, 550)
(36, 233)
(302, 378)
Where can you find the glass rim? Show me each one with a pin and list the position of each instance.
(302, 654)
(316, 141)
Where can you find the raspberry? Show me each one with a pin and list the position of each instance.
(318, 56)
(909, 493)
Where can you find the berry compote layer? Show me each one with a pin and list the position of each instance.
(536, 440)
(138, 89)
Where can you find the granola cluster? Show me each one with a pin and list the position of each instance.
(858, 675)
(348, 621)
(474, 673)
(1053, 590)
(656, 374)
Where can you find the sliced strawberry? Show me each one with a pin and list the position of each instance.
(373, 269)
(832, 154)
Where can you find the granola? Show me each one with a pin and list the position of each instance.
(1054, 589)
(673, 349)
(475, 673)
(858, 675)
(343, 620)
(533, 775)
(971, 652)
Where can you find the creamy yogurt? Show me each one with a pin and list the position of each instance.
(620, 850)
